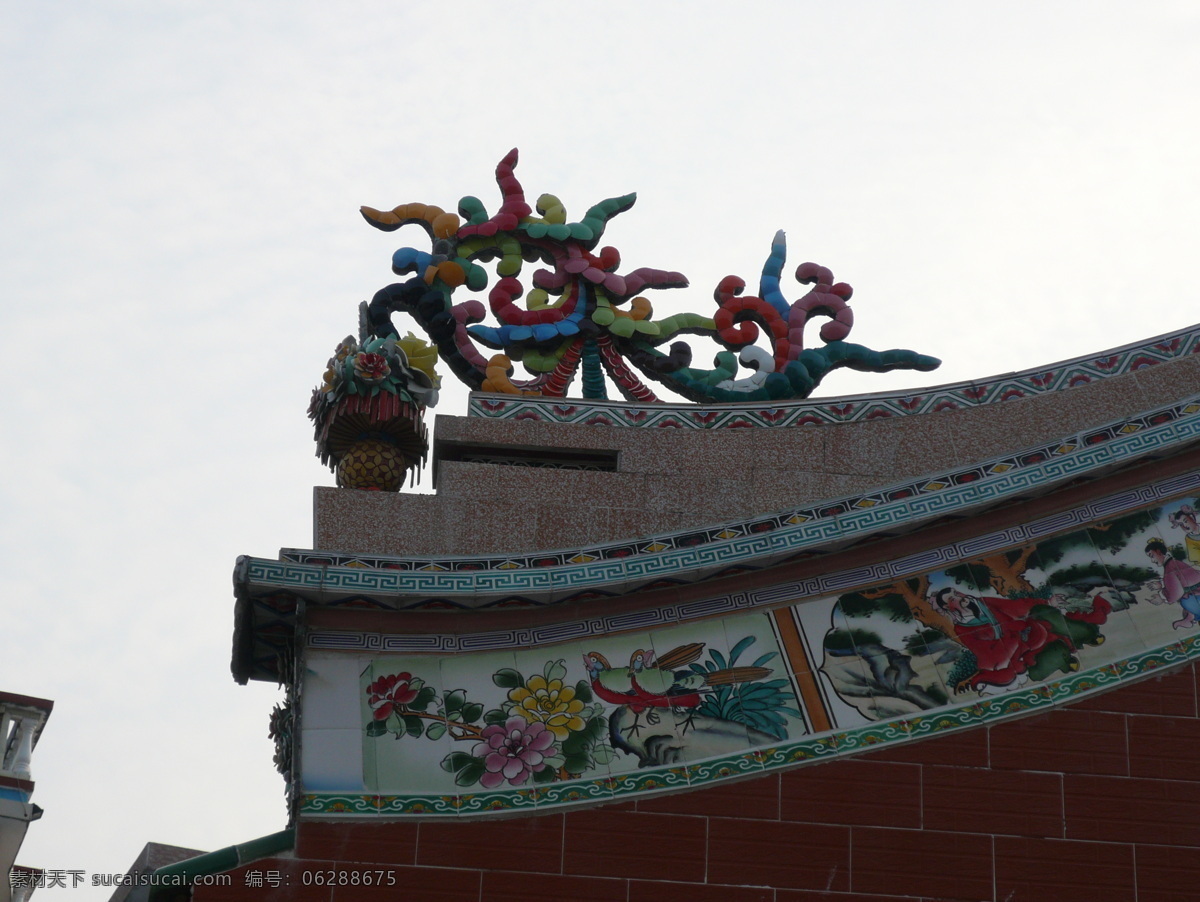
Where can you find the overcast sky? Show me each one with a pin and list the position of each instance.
(1004, 185)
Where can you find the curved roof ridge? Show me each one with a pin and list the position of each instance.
(1064, 374)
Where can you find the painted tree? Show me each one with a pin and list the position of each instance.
(1004, 573)
(888, 672)
(910, 594)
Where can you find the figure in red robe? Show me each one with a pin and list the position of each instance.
(1015, 639)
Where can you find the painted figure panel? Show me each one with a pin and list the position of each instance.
(1016, 617)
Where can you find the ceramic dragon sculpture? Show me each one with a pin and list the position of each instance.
(583, 314)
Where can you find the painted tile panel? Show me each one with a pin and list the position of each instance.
(328, 760)
(1000, 632)
(330, 691)
(1012, 618)
(402, 726)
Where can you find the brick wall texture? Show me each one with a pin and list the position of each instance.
(1097, 802)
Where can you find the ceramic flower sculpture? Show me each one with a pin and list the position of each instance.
(369, 410)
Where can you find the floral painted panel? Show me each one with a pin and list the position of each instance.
(577, 711)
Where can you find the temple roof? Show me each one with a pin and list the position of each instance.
(751, 488)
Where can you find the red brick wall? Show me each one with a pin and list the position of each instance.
(1098, 802)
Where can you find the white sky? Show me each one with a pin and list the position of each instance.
(1004, 185)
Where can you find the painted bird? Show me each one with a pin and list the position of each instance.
(616, 685)
(649, 682)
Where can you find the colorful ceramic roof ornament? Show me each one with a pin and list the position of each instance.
(369, 410)
(581, 313)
